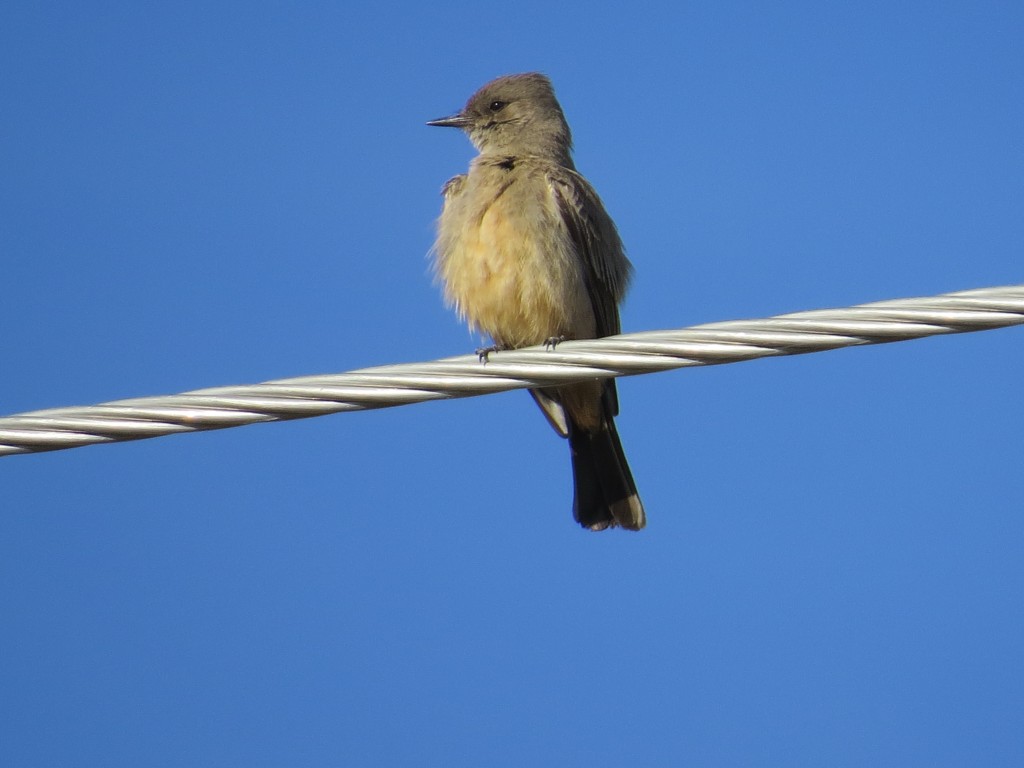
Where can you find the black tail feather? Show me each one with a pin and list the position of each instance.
(605, 494)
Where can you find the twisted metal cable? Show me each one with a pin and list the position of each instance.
(464, 376)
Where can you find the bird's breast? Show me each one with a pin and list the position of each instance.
(506, 261)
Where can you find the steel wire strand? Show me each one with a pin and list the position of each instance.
(625, 355)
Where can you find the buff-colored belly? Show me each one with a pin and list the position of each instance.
(508, 282)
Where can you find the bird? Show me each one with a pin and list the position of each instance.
(527, 254)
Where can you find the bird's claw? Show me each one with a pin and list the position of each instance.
(553, 341)
(483, 353)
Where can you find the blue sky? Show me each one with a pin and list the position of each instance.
(221, 193)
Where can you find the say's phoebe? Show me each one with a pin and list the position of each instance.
(528, 255)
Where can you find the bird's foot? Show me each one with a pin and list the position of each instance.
(553, 341)
(484, 353)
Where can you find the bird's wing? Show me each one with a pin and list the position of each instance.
(552, 410)
(606, 268)
(453, 186)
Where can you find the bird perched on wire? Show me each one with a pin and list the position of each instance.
(528, 255)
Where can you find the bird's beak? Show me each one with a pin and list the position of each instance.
(454, 121)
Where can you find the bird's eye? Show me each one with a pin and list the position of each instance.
(497, 106)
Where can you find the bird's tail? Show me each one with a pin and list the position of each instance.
(605, 494)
